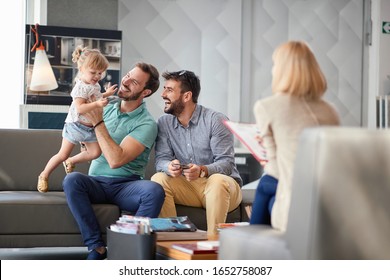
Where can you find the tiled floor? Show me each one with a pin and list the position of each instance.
(45, 253)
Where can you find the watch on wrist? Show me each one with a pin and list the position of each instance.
(202, 172)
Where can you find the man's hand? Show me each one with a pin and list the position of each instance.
(95, 115)
(192, 173)
(174, 168)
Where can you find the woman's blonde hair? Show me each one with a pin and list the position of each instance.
(91, 58)
(297, 72)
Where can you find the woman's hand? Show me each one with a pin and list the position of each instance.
(259, 140)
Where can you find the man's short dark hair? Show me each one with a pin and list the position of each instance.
(189, 82)
(154, 80)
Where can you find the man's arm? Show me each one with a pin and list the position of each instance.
(116, 155)
(222, 146)
(163, 151)
(165, 157)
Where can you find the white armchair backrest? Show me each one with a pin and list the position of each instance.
(340, 206)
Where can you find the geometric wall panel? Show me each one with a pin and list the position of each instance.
(211, 38)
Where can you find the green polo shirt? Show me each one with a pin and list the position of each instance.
(140, 125)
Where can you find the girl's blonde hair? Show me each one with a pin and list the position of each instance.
(91, 58)
(297, 72)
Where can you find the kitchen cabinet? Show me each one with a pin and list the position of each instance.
(60, 42)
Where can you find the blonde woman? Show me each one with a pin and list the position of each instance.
(298, 86)
(86, 95)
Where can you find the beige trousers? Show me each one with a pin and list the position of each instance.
(218, 194)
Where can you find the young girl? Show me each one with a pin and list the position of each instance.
(86, 96)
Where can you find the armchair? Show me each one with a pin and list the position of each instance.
(340, 202)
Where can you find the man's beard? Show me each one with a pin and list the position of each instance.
(131, 97)
(175, 108)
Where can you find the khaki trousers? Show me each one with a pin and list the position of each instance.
(218, 194)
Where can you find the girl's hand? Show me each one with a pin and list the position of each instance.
(101, 102)
(110, 90)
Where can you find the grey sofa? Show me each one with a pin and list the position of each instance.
(32, 219)
(340, 202)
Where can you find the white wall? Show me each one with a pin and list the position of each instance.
(12, 50)
(198, 35)
(229, 44)
(12, 53)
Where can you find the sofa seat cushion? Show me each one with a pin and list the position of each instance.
(31, 212)
(197, 215)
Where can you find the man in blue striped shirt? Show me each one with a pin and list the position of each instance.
(195, 153)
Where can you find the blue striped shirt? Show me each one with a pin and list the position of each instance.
(205, 141)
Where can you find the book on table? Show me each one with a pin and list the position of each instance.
(181, 223)
(247, 133)
(209, 244)
(221, 226)
(181, 235)
(176, 228)
(193, 248)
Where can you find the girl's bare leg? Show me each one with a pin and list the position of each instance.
(91, 152)
(54, 161)
(57, 159)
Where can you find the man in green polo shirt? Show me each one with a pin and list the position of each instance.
(126, 132)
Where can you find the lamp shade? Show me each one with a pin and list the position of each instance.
(42, 78)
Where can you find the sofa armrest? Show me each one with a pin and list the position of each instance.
(248, 192)
(254, 242)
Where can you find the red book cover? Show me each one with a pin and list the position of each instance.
(193, 248)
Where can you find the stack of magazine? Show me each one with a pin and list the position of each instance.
(132, 225)
(173, 228)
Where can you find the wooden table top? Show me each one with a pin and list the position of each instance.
(165, 248)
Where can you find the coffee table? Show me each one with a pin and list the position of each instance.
(165, 251)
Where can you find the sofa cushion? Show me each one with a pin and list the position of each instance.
(31, 212)
(32, 219)
(197, 215)
(24, 154)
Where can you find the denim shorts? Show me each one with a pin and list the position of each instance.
(76, 132)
